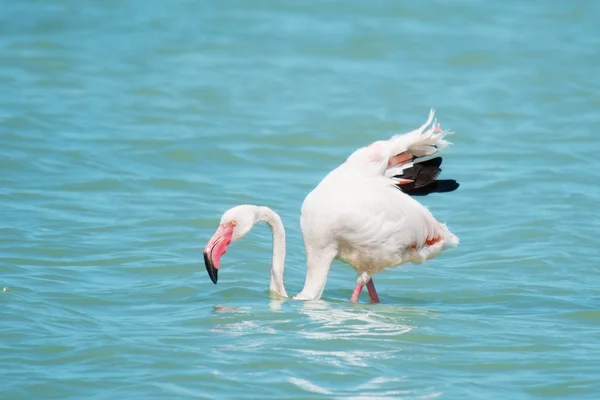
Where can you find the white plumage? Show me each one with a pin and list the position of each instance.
(358, 214)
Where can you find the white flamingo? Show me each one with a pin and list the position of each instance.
(361, 213)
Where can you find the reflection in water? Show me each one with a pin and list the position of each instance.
(326, 320)
(370, 390)
(347, 323)
(335, 332)
(222, 309)
(275, 304)
(358, 339)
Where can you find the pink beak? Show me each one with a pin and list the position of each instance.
(214, 250)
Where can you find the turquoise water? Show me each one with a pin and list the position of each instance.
(128, 127)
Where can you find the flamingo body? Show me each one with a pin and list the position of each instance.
(361, 213)
(369, 224)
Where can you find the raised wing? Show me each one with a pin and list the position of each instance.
(423, 179)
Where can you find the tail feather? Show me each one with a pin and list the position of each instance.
(450, 239)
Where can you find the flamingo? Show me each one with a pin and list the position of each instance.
(361, 213)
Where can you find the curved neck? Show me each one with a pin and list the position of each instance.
(274, 221)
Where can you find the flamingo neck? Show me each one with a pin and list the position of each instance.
(278, 266)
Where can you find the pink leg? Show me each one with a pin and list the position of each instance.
(372, 291)
(356, 293)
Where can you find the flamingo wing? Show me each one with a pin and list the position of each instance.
(424, 179)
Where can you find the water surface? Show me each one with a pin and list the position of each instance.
(128, 128)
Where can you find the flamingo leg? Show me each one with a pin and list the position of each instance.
(356, 293)
(372, 291)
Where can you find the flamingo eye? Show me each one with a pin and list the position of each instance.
(232, 223)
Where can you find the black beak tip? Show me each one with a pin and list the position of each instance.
(213, 273)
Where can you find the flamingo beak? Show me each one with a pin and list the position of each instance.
(214, 250)
(213, 272)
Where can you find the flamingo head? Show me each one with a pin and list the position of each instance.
(235, 224)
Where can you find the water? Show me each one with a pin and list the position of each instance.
(128, 128)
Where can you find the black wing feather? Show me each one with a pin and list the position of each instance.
(424, 176)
